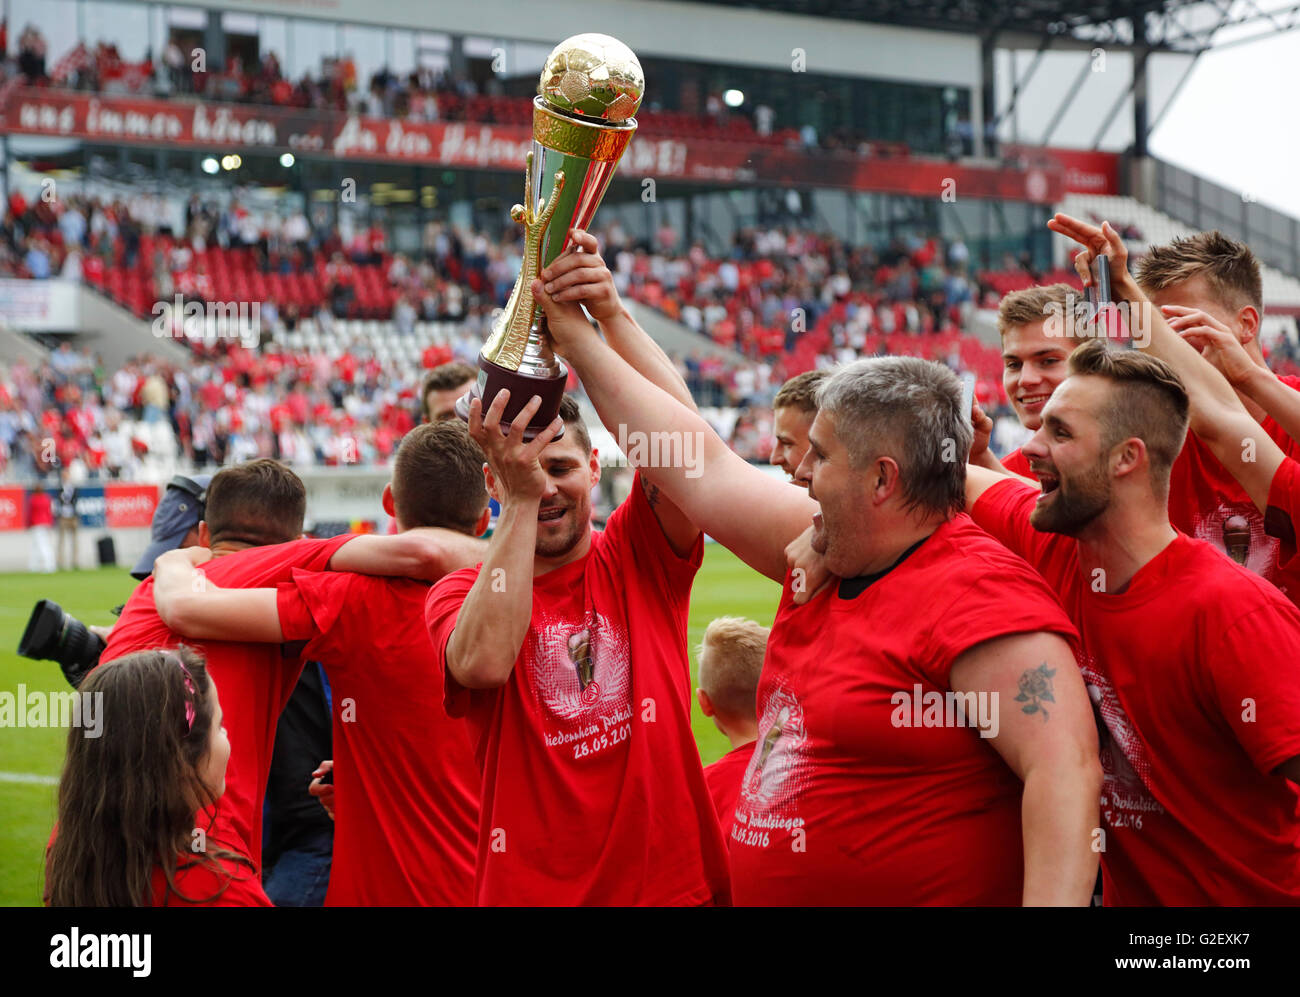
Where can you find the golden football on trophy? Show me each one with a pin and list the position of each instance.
(595, 76)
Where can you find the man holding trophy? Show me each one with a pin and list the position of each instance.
(566, 649)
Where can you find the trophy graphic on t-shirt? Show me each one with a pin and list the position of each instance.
(769, 742)
(584, 663)
(1236, 538)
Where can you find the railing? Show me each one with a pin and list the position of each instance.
(1273, 235)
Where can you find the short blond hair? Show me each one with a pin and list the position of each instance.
(1037, 304)
(731, 660)
(800, 392)
(1228, 266)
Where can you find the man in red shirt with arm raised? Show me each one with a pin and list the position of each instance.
(1192, 662)
(843, 776)
(1208, 278)
(566, 650)
(259, 504)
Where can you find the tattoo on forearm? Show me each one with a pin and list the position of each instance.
(651, 492)
(1036, 689)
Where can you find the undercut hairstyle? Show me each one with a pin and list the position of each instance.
(800, 392)
(1229, 267)
(572, 416)
(127, 798)
(438, 478)
(731, 660)
(444, 378)
(258, 503)
(908, 409)
(1148, 401)
(1038, 304)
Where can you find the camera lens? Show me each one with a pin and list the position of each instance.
(53, 635)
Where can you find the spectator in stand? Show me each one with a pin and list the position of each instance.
(730, 659)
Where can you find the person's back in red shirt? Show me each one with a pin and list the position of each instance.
(406, 785)
(723, 778)
(255, 680)
(731, 661)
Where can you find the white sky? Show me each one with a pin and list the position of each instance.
(1236, 121)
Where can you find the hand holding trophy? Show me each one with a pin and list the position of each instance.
(591, 87)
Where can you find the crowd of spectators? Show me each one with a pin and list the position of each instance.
(782, 300)
(423, 95)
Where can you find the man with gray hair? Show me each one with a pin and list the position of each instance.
(931, 687)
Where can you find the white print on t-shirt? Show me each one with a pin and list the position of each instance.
(581, 675)
(1260, 549)
(777, 771)
(1126, 770)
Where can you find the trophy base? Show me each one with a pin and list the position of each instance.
(492, 378)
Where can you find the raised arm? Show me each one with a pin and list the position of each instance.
(1046, 735)
(751, 513)
(580, 276)
(194, 607)
(1217, 416)
(498, 609)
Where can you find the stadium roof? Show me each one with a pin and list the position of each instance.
(1188, 26)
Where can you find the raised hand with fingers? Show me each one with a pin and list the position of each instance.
(1097, 241)
(516, 465)
(1217, 343)
(580, 275)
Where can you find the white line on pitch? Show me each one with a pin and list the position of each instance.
(29, 779)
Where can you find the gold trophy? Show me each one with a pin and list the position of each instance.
(591, 87)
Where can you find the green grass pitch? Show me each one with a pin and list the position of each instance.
(30, 758)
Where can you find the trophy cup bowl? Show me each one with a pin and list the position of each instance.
(590, 88)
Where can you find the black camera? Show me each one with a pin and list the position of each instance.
(53, 635)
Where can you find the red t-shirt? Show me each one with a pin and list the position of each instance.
(839, 805)
(723, 779)
(1203, 495)
(254, 681)
(406, 786)
(593, 791)
(1283, 513)
(1195, 670)
(198, 885)
(1017, 463)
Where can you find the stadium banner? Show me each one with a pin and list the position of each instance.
(207, 124)
(1083, 171)
(129, 505)
(89, 504)
(13, 507)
